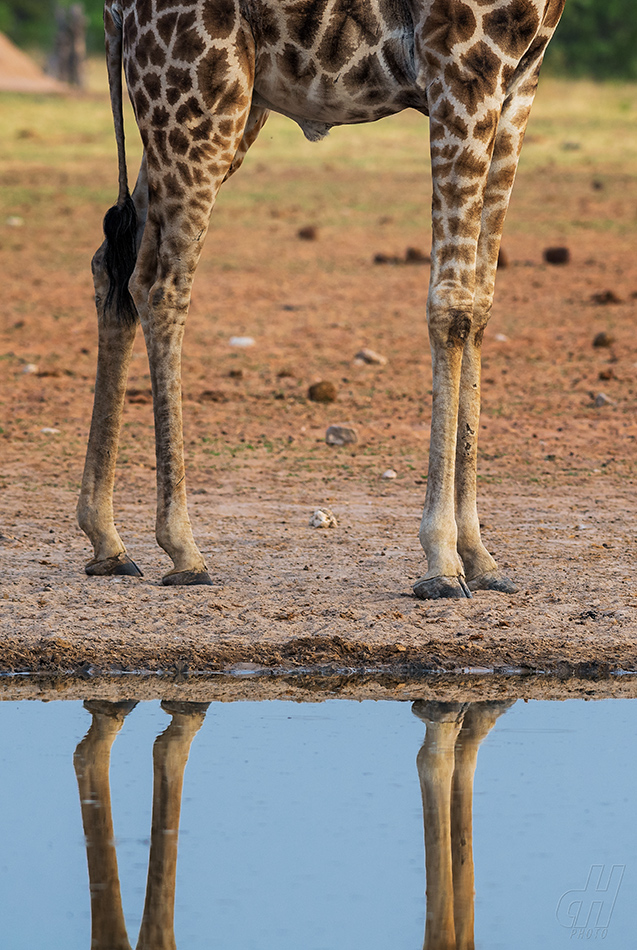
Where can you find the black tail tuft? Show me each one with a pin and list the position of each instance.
(120, 230)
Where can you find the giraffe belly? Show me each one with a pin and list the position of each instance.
(349, 65)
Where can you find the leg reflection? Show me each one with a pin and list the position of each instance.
(446, 767)
(92, 764)
(170, 754)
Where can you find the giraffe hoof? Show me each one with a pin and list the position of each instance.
(436, 588)
(186, 578)
(119, 564)
(493, 580)
(104, 707)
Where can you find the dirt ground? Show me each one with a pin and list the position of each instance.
(558, 432)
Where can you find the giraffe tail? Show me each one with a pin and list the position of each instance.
(120, 222)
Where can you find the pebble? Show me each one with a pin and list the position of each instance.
(341, 435)
(48, 431)
(241, 341)
(323, 391)
(14, 221)
(323, 518)
(605, 297)
(557, 255)
(603, 339)
(390, 473)
(29, 368)
(601, 399)
(309, 233)
(370, 356)
(501, 338)
(413, 255)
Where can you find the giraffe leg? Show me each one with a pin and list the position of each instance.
(116, 337)
(459, 175)
(481, 570)
(92, 764)
(170, 755)
(187, 163)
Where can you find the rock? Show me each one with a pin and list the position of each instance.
(605, 297)
(557, 255)
(413, 255)
(601, 399)
(236, 374)
(323, 518)
(501, 338)
(323, 391)
(213, 395)
(369, 356)
(603, 339)
(390, 473)
(29, 368)
(386, 259)
(48, 431)
(503, 259)
(241, 341)
(606, 374)
(341, 435)
(309, 233)
(13, 221)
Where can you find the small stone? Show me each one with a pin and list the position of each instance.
(13, 221)
(241, 341)
(341, 435)
(606, 374)
(236, 374)
(309, 233)
(29, 368)
(369, 356)
(557, 255)
(323, 518)
(387, 259)
(503, 259)
(601, 399)
(323, 391)
(48, 431)
(605, 297)
(603, 339)
(413, 255)
(390, 473)
(501, 338)
(213, 395)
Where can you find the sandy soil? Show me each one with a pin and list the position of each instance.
(557, 464)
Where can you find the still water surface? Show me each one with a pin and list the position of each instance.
(302, 825)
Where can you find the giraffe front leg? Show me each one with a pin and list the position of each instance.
(480, 568)
(438, 533)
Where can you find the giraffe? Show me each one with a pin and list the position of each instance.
(92, 766)
(446, 766)
(203, 76)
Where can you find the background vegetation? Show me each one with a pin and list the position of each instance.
(596, 38)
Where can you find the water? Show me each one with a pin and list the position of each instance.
(302, 825)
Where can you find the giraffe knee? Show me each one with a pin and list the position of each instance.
(450, 327)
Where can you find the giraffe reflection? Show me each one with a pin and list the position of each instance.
(92, 765)
(446, 766)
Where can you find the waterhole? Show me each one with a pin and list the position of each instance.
(325, 826)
